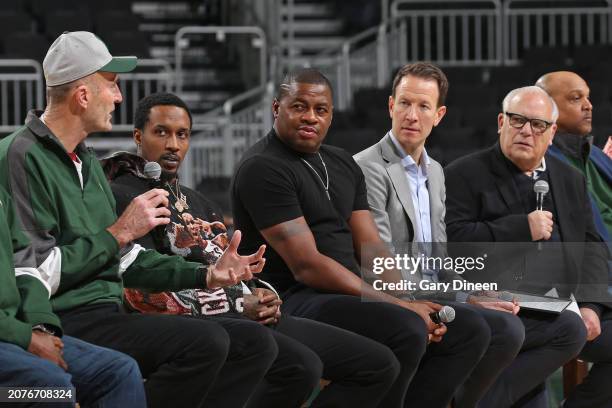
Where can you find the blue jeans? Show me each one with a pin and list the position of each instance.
(102, 377)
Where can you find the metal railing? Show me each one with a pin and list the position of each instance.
(440, 32)
(216, 150)
(451, 35)
(415, 30)
(205, 151)
(362, 61)
(104, 147)
(526, 26)
(20, 91)
(230, 105)
(221, 32)
(150, 75)
(384, 10)
(486, 33)
(218, 138)
(290, 24)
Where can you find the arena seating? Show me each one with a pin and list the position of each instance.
(474, 100)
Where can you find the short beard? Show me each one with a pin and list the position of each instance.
(167, 176)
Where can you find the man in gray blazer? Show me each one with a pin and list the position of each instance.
(406, 194)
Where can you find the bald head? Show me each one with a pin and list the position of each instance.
(553, 80)
(526, 126)
(571, 94)
(537, 93)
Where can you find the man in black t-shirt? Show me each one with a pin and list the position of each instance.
(360, 370)
(308, 203)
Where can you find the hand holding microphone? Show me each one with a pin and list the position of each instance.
(540, 221)
(153, 172)
(144, 213)
(540, 224)
(444, 315)
(428, 312)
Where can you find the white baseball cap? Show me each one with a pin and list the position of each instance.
(74, 55)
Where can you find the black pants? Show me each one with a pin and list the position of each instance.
(361, 371)
(596, 389)
(188, 362)
(550, 341)
(506, 333)
(442, 367)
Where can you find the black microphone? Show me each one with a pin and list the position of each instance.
(444, 315)
(541, 189)
(152, 171)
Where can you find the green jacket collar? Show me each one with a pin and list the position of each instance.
(41, 131)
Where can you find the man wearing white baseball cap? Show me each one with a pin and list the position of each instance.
(78, 54)
(81, 255)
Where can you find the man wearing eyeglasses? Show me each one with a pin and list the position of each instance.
(491, 199)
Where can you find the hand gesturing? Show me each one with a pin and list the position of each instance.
(231, 268)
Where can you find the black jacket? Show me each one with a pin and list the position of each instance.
(483, 205)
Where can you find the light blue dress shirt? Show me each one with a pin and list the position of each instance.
(416, 175)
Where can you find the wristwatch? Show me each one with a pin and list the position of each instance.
(43, 328)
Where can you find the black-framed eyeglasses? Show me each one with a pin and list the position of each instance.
(538, 126)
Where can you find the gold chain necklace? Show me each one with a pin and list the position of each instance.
(181, 200)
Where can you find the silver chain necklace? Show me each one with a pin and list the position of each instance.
(326, 184)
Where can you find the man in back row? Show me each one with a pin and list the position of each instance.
(84, 254)
(573, 144)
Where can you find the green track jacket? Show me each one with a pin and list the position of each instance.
(19, 313)
(72, 253)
